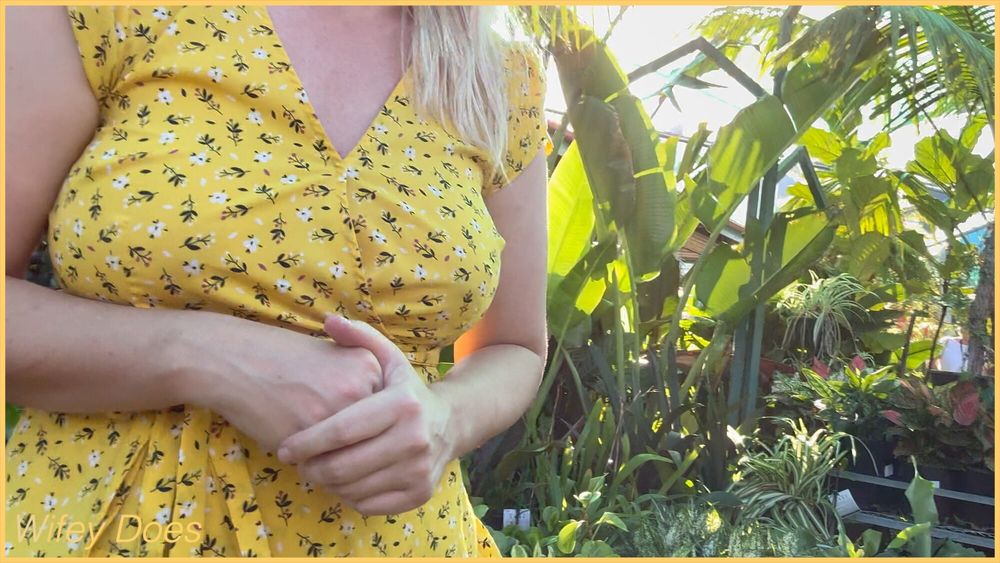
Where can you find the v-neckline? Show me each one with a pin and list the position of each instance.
(313, 115)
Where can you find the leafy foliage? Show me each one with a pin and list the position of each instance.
(818, 314)
(850, 399)
(949, 426)
(784, 485)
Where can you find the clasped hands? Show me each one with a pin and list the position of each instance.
(384, 453)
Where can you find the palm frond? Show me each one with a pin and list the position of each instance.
(952, 47)
(935, 60)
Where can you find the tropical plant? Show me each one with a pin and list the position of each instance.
(818, 314)
(947, 166)
(589, 529)
(949, 426)
(982, 317)
(850, 399)
(784, 484)
(623, 200)
(888, 217)
(625, 280)
(930, 61)
(687, 528)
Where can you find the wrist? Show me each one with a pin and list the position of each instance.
(454, 434)
(196, 357)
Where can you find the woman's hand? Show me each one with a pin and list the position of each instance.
(384, 454)
(272, 382)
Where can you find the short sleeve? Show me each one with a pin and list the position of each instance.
(527, 129)
(99, 32)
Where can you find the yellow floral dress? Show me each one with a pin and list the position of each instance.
(211, 185)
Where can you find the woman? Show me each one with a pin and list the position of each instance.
(257, 283)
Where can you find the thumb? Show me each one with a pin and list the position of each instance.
(346, 332)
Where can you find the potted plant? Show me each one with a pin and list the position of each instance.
(948, 431)
(849, 399)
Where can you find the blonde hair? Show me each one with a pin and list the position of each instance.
(457, 61)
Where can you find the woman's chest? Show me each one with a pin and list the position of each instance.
(212, 185)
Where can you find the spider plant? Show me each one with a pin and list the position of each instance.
(820, 312)
(784, 485)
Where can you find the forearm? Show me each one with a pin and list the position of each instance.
(71, 354)
(487, 391)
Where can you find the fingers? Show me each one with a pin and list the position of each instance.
(391, 502)
(391, 490)
(356, 462)
(391, 478)
(357, 422)
(357, 333)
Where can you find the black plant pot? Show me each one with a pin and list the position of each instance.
(873, 457)
(946, 479)
(976, 482)
(939, 377)
(902, 470)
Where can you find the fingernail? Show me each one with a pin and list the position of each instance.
(283, 454)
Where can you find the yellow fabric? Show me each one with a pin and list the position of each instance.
(211, 185)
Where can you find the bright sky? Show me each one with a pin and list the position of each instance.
(648, 32)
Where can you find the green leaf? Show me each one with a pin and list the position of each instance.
(13, 414)
(932, 209)
(912, 533)
(573, 299)
(613, 519)
(587, 68)
(652, 226)
(919, 353)
(567, 536)
(877, 144)
(606, 159)
(571, 214)
(596, 483)
(549, 516)
(951, 549)
(587, 497)
(692, 150)
(966, 177)
(619, 148)
(684, 218)
(743, 151)
(920, 494)
(792, 243)
(718, 283)
(597, 548)
(871, 541)
(867, 255)
(970, 133)
(518, 551)
(822, 145)
(839, 51)
(852, 163)
(633, 464)
(517, 458)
